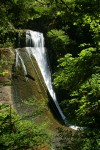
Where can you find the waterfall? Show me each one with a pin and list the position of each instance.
(35, 47)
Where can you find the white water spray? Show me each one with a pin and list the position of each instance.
(20, 60)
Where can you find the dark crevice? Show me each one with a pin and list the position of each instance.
(30, 77)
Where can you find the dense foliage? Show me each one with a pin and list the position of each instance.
(17, 133)
(72, 31)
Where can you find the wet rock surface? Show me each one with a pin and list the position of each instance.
(27, 86)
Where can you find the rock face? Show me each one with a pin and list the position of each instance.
(6, 62)
(27, 86)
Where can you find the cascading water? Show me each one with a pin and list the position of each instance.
(18, 57)
(35, 47)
